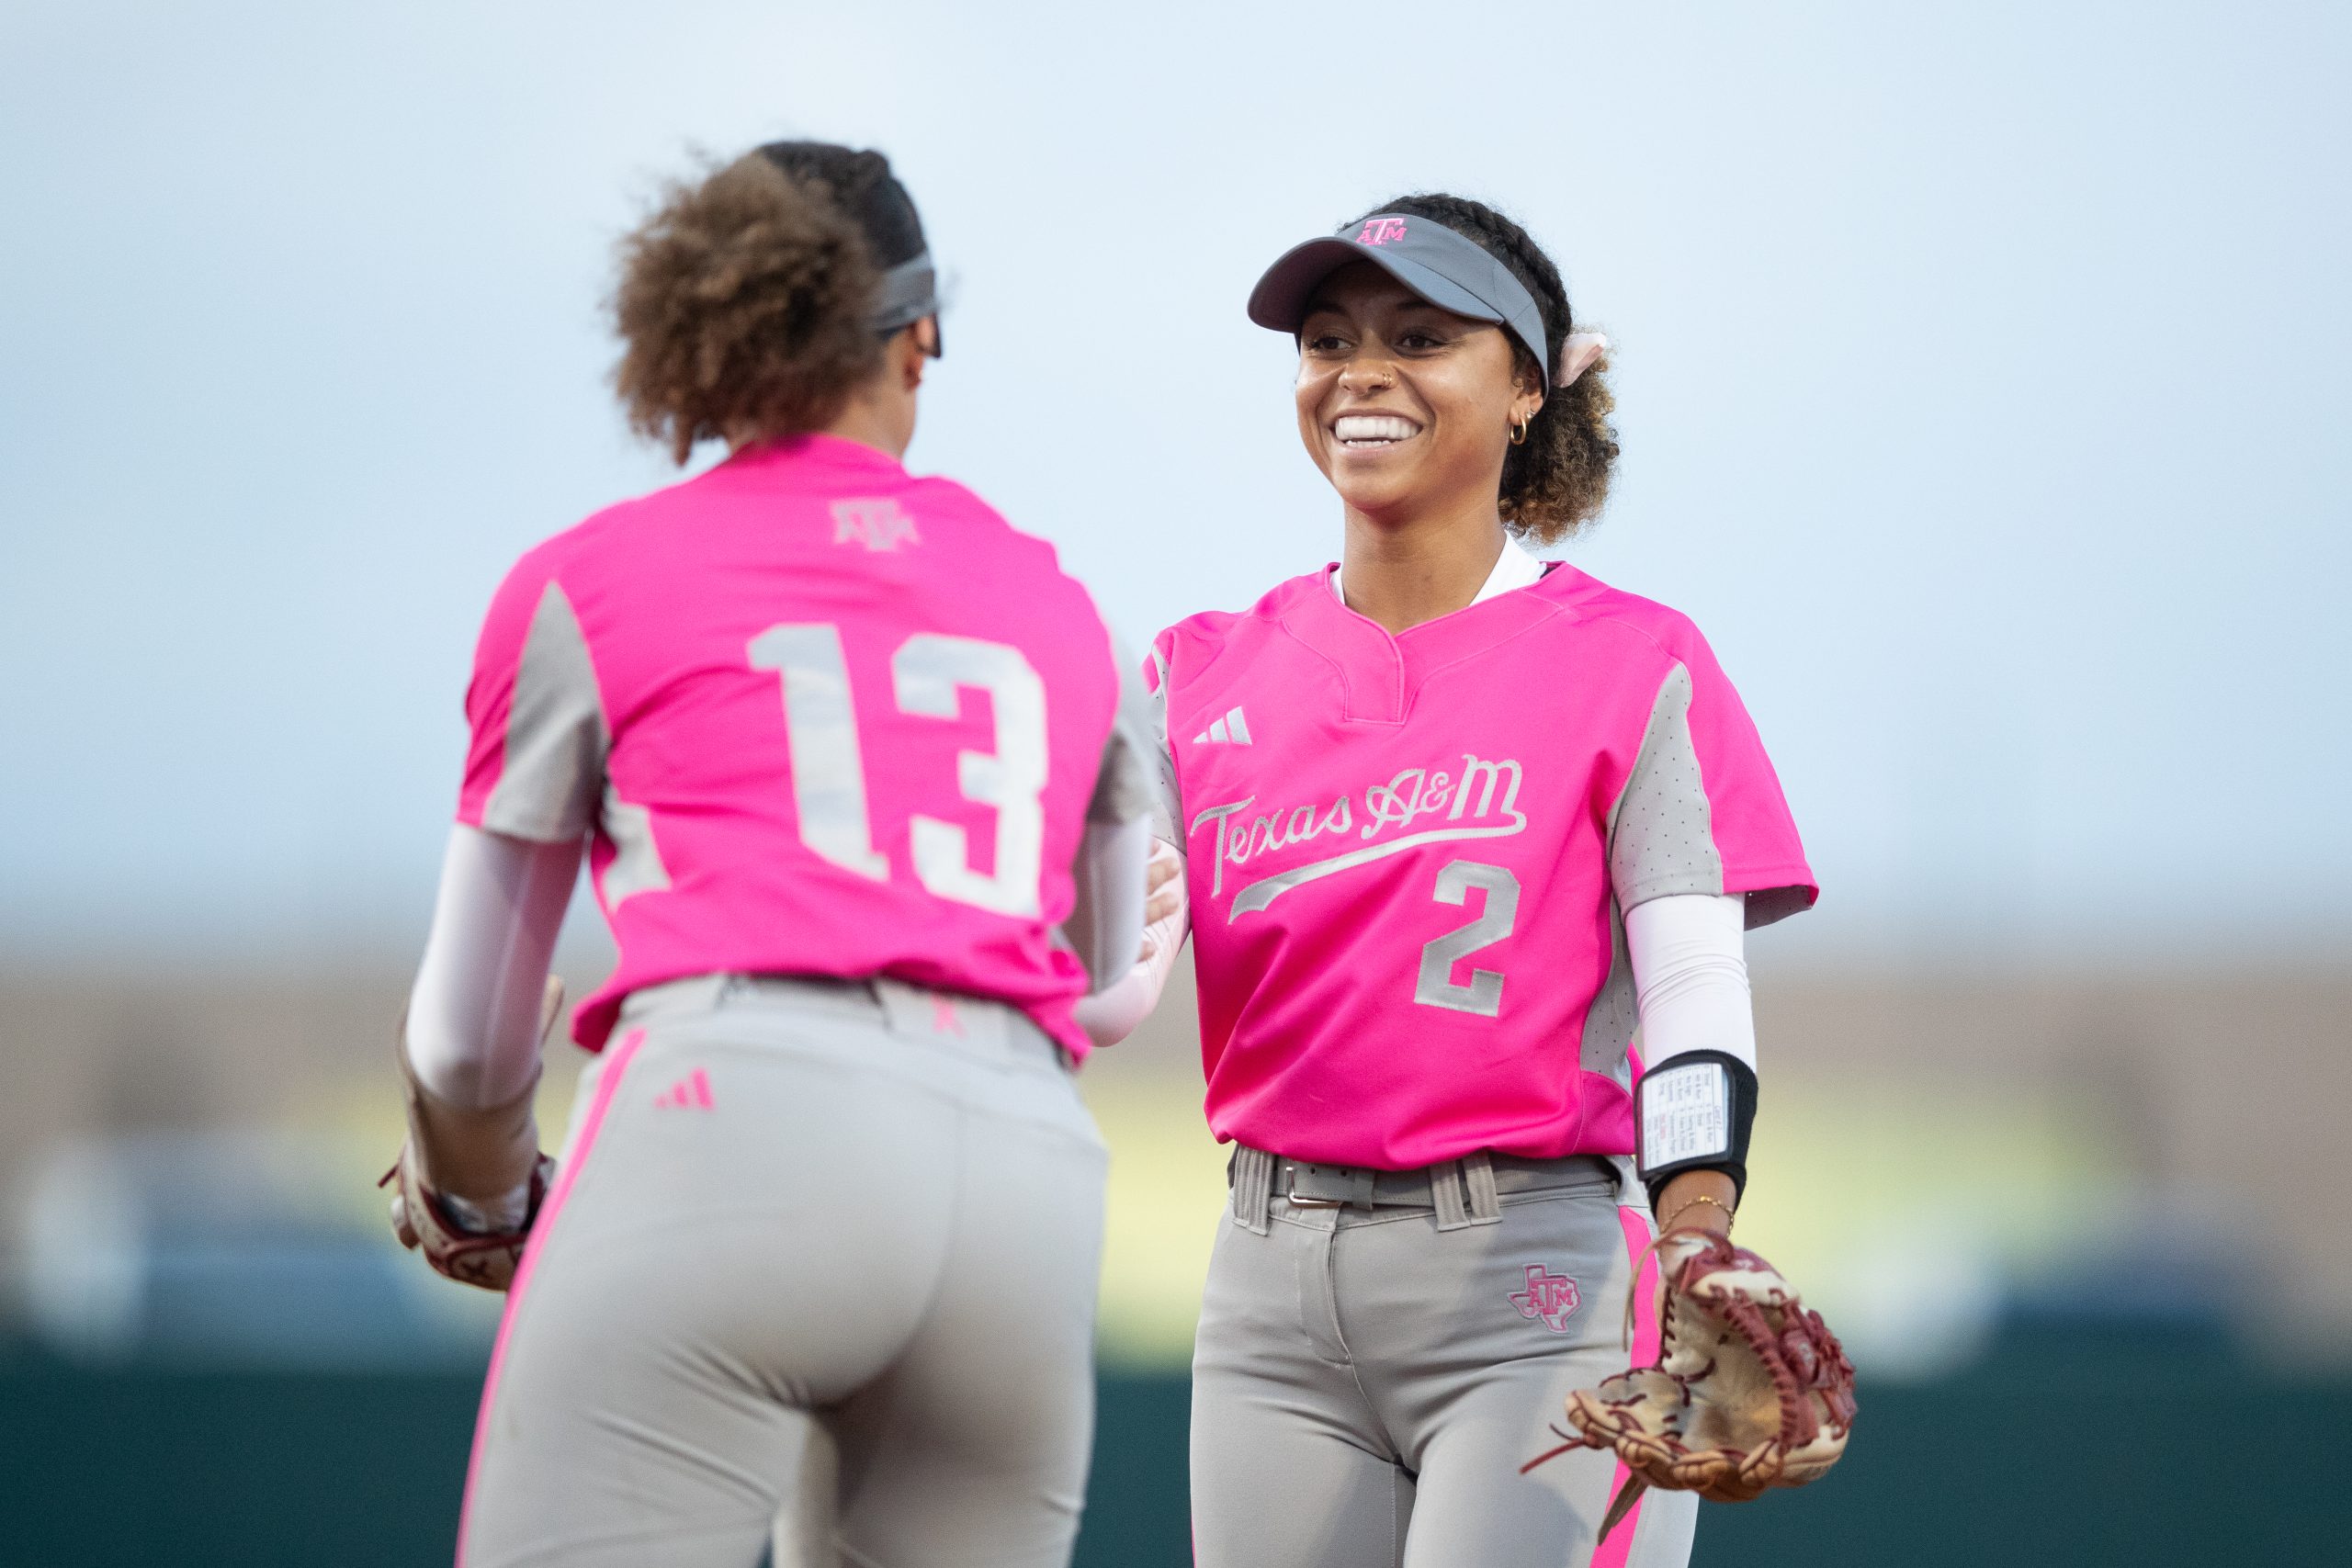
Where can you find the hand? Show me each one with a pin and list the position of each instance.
(1163, 881)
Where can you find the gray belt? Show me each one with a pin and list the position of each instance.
(1466, 1191)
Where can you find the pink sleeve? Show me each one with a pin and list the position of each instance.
(535, 758)
(1702, 810)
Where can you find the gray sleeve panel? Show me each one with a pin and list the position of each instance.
(635, 867)
(1122, 788)
(553, 777)
(1661, 831)
(1609, 1021)
(1168, 802)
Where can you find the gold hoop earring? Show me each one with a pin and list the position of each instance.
(1518, 431)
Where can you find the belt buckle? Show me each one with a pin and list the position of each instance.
(1290, 1193)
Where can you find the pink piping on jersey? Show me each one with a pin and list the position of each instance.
(608, 1082)
(1620, 1544)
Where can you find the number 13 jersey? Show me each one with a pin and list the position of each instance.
(1410, 858)
(820, 717)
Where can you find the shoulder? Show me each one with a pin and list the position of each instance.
(599, 542)
(1198, 640)
(1590, 603)
(945, 504)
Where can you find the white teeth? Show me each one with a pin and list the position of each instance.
(1354, 427)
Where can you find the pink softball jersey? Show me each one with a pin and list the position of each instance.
(1410, 858)
(820, 716)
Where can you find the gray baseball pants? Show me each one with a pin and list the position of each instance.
(820, 1260)
(1377, 1361)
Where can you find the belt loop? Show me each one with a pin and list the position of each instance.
(1445, 1196)
(1253, 1188)
(1478, 1175)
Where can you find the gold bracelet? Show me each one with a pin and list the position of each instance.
(1689, 1204)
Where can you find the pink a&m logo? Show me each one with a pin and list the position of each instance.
(878, 522)
(1551, 1297)
(1381, 232)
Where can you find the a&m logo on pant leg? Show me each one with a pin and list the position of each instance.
(1552, 1297)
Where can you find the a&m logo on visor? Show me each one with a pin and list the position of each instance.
(1381, 232)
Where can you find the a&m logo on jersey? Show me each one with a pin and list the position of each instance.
(1381, 232)
(1551, 1297)
(878, 522)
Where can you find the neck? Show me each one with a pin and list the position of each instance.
(1403, 574)
(867, 423)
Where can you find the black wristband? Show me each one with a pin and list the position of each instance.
(1692, 1112)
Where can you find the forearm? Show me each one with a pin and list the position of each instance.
(1106, 922)
(473, 1019)
(1111, 1015)
(1691, 982)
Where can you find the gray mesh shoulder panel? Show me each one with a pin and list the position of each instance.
(1661, 831)
(1609, 1021)
(553, 779)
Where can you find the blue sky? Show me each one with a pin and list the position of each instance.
(1980, 382)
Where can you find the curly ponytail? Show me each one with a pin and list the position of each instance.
(1556, 481)
(743, 299)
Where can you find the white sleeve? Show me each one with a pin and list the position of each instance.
(1690, 976)
(1106, 922)
(473, 1015)
(1110, 1016)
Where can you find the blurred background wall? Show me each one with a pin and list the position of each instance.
(1980, 376)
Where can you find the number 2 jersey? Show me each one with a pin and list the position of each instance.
(1410, 858)
(818, 716)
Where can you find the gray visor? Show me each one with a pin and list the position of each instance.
(910, 292)
(1450, 272)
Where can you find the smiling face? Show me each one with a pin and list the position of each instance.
(1407, 409)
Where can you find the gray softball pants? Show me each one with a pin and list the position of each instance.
(1370, 1374)
(821, 1260)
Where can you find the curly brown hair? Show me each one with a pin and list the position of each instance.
(1558, 480)
(745, 299)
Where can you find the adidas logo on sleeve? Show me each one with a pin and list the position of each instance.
(1230, 730)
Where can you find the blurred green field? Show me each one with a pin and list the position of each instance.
(2083, 1449)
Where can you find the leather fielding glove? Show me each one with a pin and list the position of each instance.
(1751, 1391)
(483, 1156)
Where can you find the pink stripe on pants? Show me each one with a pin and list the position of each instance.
(1613, 1552)
(608, 1082)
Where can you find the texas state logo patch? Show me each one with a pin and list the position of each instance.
(1553, 1298)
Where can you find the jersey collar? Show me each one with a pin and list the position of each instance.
(1380, 675)
(1513, 568)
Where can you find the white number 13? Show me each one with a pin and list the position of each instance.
(829, 766)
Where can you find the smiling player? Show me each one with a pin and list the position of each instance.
(1455, 821)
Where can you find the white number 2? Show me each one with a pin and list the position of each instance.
(1484, 993)
(829, 766)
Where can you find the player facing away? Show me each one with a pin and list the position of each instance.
(846, 755)
(1455, 822)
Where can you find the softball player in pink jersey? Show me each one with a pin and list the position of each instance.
(846, 754)
(1456, 822)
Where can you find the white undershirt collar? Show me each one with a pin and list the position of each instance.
(1513, 568)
